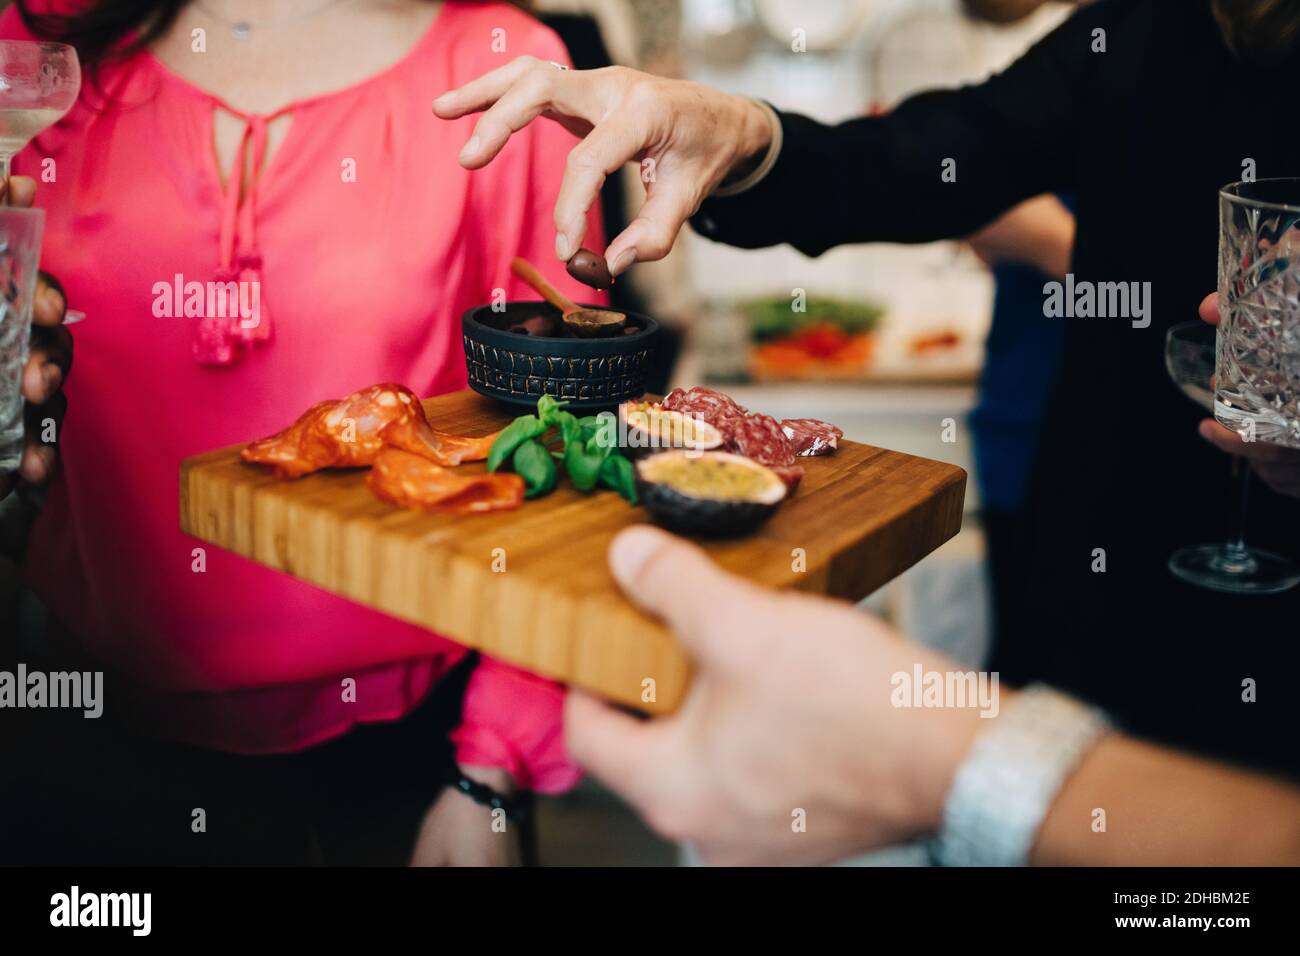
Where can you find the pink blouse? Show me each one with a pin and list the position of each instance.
(368, 241)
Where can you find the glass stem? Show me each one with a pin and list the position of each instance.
(1237, 529)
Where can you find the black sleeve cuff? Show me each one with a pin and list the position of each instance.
(776, 209)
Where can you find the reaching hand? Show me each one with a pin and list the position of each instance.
(688, 137)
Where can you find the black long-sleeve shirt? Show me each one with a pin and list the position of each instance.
(1143, 134)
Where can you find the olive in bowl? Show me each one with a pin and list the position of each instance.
(520, 352)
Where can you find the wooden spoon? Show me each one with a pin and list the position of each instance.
(586, 323)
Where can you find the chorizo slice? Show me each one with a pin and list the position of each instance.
(412, 481)
(349, 433)
(297, 450)
(421, 438)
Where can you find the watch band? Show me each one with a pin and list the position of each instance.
(1001, 792)
(752, 179)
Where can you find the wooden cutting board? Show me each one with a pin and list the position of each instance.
(861, 516)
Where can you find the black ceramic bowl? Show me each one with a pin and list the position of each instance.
(518, 368)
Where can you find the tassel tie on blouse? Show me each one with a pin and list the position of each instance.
(235, 317)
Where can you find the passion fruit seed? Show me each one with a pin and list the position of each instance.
(708, 493)
(650, 425)
(710, 478)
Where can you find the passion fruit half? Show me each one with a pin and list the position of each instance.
(649, 427)
(712, 493)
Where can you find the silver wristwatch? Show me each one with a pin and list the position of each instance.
(1003, 789)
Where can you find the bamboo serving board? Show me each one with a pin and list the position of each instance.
(861, 516)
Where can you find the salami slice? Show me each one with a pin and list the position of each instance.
(760, 438)
(703, 402)
(809, 437)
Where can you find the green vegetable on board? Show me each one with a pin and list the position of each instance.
(522, 429)
(533, 463)
(617, 472)
(583, 461)
(589, 451)
(568, 426)
(548, 407)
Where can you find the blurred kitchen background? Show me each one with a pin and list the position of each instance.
(892, 344)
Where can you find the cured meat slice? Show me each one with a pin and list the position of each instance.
(791, 475)
(349, 432)
(411, 481)
(721, 411)
(296, 450)
(419, 437)
(756, 436)
(808, 436)
(703, 403)
(760, 438)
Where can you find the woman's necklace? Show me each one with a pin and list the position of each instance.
(243, 29)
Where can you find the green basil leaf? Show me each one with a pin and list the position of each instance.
(568, 426)
(603, 427)
(617, 472)
(583, 463)
(522, 429)
(547, 408)
(606, 432)
(536, 467)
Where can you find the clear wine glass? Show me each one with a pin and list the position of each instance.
(39, 82)
(1230, 565)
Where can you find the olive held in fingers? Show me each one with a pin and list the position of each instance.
(589, 267)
